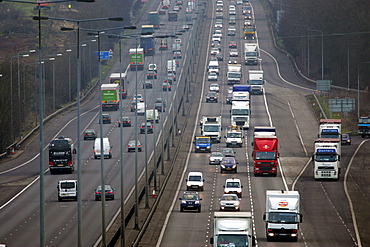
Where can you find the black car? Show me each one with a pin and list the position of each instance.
(90, 134)
(190, 201)
(228, 164)
(219, 57)
(126, 122)
(148, 85)
(211, 97)
(151, 74)
(106, 119)
(149, 128)
(158, 106)
(346, 139)
(109, 192)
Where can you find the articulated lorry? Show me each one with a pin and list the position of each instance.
(147, 42)
(234, 73)
(136, 59)
(115, 78)
(251, 53)
(234, 136)
(256, 82)
(265, 155)
(232, 229)
(240, 114)
(282, 214)
(110, 97)
(264, 131)
(211, 126)
(326, 158)
(363, 124)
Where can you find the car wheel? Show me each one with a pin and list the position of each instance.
(181, 209)
(96, 198)
(112, 198)
(199, 209)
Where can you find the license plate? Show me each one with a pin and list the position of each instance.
(228, 168)
(190, 206)
(60, 165)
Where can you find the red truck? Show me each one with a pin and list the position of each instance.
(265, 155)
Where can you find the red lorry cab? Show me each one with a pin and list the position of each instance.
(265, 155)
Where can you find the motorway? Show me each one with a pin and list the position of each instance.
(327, 219)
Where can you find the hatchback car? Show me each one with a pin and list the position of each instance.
(166, 86)
(230, 202)
(177, 55)
(148, 85)
(190, 200)
(212, 76)
(215, 158)
(149, 128)
(139, 97)
(131, 146)
(228, 164)
(233, 52)
(232, 60)
(159, 107)
(151, 74)
(90, 134)
(214, 87)
(232, 44)
(106, 119)
(219, 57)
(126, 122)
(153, 67)
(228, 152)
(232, 20)
(211, 97)
(346, 139)
(109, 192)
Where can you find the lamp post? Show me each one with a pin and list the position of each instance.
(322, 50)
(69, 75)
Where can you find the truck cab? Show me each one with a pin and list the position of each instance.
(203, 144)
(234, 136)
(211, 126)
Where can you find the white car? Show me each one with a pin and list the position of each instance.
(215, 37)
(214, 87)
(233, 53)
(139, 97)
(219, 3)
(230, 90)
(212, 76)
(153, 67)
(231, 28)
(178, 41)
(218, 25)
(218, 32)
(215, 158)
(215, 51)
(233, 186)
(230, 202)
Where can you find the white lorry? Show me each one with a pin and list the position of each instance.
(232, 229)
(282, 214)
(67, 189)
(234, 137)
(327, 158)
(211, 126)
(152, 115)
(256, 82)
(214, 66)
(251, 53)
(234, 73)
(171, 66)
(240, 114)
(140, 110)
(330, 128)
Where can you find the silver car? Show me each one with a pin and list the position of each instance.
(215, 158)
(230, 202)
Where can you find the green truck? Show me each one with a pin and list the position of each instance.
(110, 97)
(153, 19)
(136, 59)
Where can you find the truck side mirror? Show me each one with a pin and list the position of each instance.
(224, 136)
(74, 151)
(313, 157)
(224, 186)
(253, 241)
(252, 154)
(211, 240)
(241, 186)
(252, 144)
(338, 157)
(186, 180)
(204, 180)
(264, 216)
(300, 218)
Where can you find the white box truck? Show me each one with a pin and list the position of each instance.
(214, 66)
(251, 53)
(282, 214)
(240, 114)
(234, 73)
(211, 126)
(171, 66)
(152, 115)
(232, 229)
(256, 82)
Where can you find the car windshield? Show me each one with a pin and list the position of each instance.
(234, 135)
(265, 156)
(190, 197)
(195, 178)
(233, 185)
(203, 140)
(229, 198)
(216, 155)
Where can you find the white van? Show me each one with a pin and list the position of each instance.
(140, 108)
(67, 189)
(152, 115)
(213, 66)
(195, 181)
(171, 66)
(106, 148)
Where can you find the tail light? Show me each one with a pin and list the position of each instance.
(51, 163)
(69, 163)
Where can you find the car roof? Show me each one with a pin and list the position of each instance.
(233, 180)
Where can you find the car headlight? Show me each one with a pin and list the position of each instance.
(196, 202)
(222, 166)
(183, 202)
(234, 166)
(208, 147)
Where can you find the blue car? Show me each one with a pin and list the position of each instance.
(190, 201)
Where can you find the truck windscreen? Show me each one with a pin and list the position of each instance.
(265, 156)
(287, 218)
